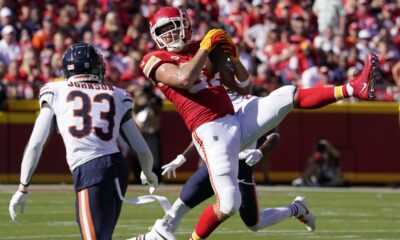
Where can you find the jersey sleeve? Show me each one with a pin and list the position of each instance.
(47, 94)
(124, 100)
(152, 61)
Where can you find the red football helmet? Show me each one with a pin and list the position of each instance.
(178, 32)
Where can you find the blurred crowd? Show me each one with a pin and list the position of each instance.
(301, 42)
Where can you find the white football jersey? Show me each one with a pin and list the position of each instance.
(88, 117)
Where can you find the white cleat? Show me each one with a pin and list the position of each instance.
(304, 214)
(160, 231)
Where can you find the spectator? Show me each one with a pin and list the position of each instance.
(323, 167)
(43, 36)
(316, 76)
(6, 17)
(3, 90)
(9, 48)
(132, 74)
(330, 14)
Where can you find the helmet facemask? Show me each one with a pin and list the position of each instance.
(176, 31)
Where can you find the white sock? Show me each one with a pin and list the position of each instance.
(349, 89)
(271, 216)
(175, 215)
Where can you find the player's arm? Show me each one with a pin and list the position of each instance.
(253, 156)
(130, 132)
(184, 75)
(171, 167)
(40, 134)
(270, 143)
(230, 74)
(240, 83)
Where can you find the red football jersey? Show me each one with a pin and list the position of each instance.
(205, 101)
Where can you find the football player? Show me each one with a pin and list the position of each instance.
(181, 69)
(90, 116)
(198, 188)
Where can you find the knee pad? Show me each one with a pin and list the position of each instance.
(230, 201)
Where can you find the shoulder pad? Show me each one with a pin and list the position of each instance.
(153, 60)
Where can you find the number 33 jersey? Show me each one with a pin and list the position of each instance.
(205, 101)
(88, 117)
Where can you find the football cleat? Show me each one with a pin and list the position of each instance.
(364, 83)
(304, 214)
(160, 231)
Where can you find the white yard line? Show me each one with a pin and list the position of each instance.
(266, 233)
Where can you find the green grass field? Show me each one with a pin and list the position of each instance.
(353, 213)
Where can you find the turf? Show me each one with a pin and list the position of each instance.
(353, 213)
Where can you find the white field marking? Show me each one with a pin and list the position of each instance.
(9, 188)
(298, 233)
(328, 189)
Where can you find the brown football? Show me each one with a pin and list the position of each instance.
(218, 58)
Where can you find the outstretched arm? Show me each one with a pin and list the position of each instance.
(184, 75)
(235, 76)
(134, 138)
(171, 167)
(40, 134)
(253, 156)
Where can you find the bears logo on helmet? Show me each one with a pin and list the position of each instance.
(83, 59)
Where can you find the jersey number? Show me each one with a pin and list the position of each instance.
(203, 82)
(85, 113)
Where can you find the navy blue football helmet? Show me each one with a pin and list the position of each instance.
(83, 58)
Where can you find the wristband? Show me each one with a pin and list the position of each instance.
(181, 158)
(243, 84)
(23, 188)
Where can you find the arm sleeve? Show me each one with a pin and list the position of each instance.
(139, 145)
(40, 133)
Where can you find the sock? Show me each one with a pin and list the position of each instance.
(343, 91)
(207, 223)
(175, 215)
(311, 98)
(271, 216)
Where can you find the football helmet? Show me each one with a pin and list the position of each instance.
(84, 60)
(178, 32)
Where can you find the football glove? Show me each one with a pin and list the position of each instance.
(251, 156)
(19, 198)
(173, 165)
(230, 49)
(212, 38)
(151, 180)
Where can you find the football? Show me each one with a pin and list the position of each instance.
(218, 58)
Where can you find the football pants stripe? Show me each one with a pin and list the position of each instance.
(150, 64)
(200, 143)
(85, 217)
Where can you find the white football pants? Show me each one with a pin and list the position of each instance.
(220, 141)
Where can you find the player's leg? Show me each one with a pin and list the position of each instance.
(361, 87)
(218, 144)
(196, 189)
(98, 203)
(260, 115)
(256, 220)
(249, 212)
(249, 208)
(98, 209)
